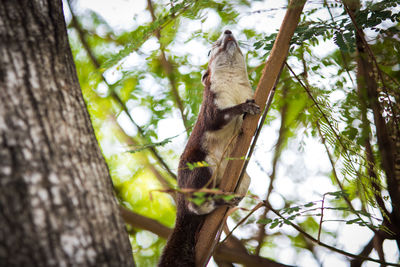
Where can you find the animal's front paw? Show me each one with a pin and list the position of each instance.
(234, 202)
(251, 108)
(202, 209)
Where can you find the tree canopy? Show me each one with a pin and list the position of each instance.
(326, 167)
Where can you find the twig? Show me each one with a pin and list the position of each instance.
(346, 66)
(307, 89)
(330, 157)
(322, 216)
(259, 205)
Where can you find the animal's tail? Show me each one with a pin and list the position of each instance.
(180, 248)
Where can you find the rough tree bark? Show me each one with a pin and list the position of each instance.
(56, 200)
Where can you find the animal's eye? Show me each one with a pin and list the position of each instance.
(209, 52)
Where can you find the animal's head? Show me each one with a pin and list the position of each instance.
(224, 55)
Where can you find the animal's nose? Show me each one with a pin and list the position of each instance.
(228, 32)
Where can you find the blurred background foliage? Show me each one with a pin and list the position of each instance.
(142, 87)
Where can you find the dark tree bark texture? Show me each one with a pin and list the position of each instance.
(56, 199)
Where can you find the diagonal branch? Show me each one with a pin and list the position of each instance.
(345, 63)
(331, 160)
(307, 89)
(317, 105)
(168, 69)
(278, 150)
(364, 253)
(211, 229)
(95, 62)
(145, 160)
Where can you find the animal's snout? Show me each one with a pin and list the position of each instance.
(228, 35)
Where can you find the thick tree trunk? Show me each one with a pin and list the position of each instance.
(56, 200)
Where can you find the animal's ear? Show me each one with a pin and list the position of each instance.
(204, 77)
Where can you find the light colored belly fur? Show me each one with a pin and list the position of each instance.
(230, 91)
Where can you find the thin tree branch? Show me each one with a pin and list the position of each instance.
(346, 65)
(93, 59)
(330, 157)
(277, 153)
(364, 253)
(145, 161)
(145, 223)
(259, 205)
(306, 86)
(321, 219)
(168, 69)
(307, 89)
(378, 246)
(369, 157)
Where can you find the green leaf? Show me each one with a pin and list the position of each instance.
(227, 197)
(310, 204)
(339, 41)
(264, 221)
(274, 224)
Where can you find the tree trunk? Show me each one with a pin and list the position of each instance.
(56, 199)
(367, 75)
